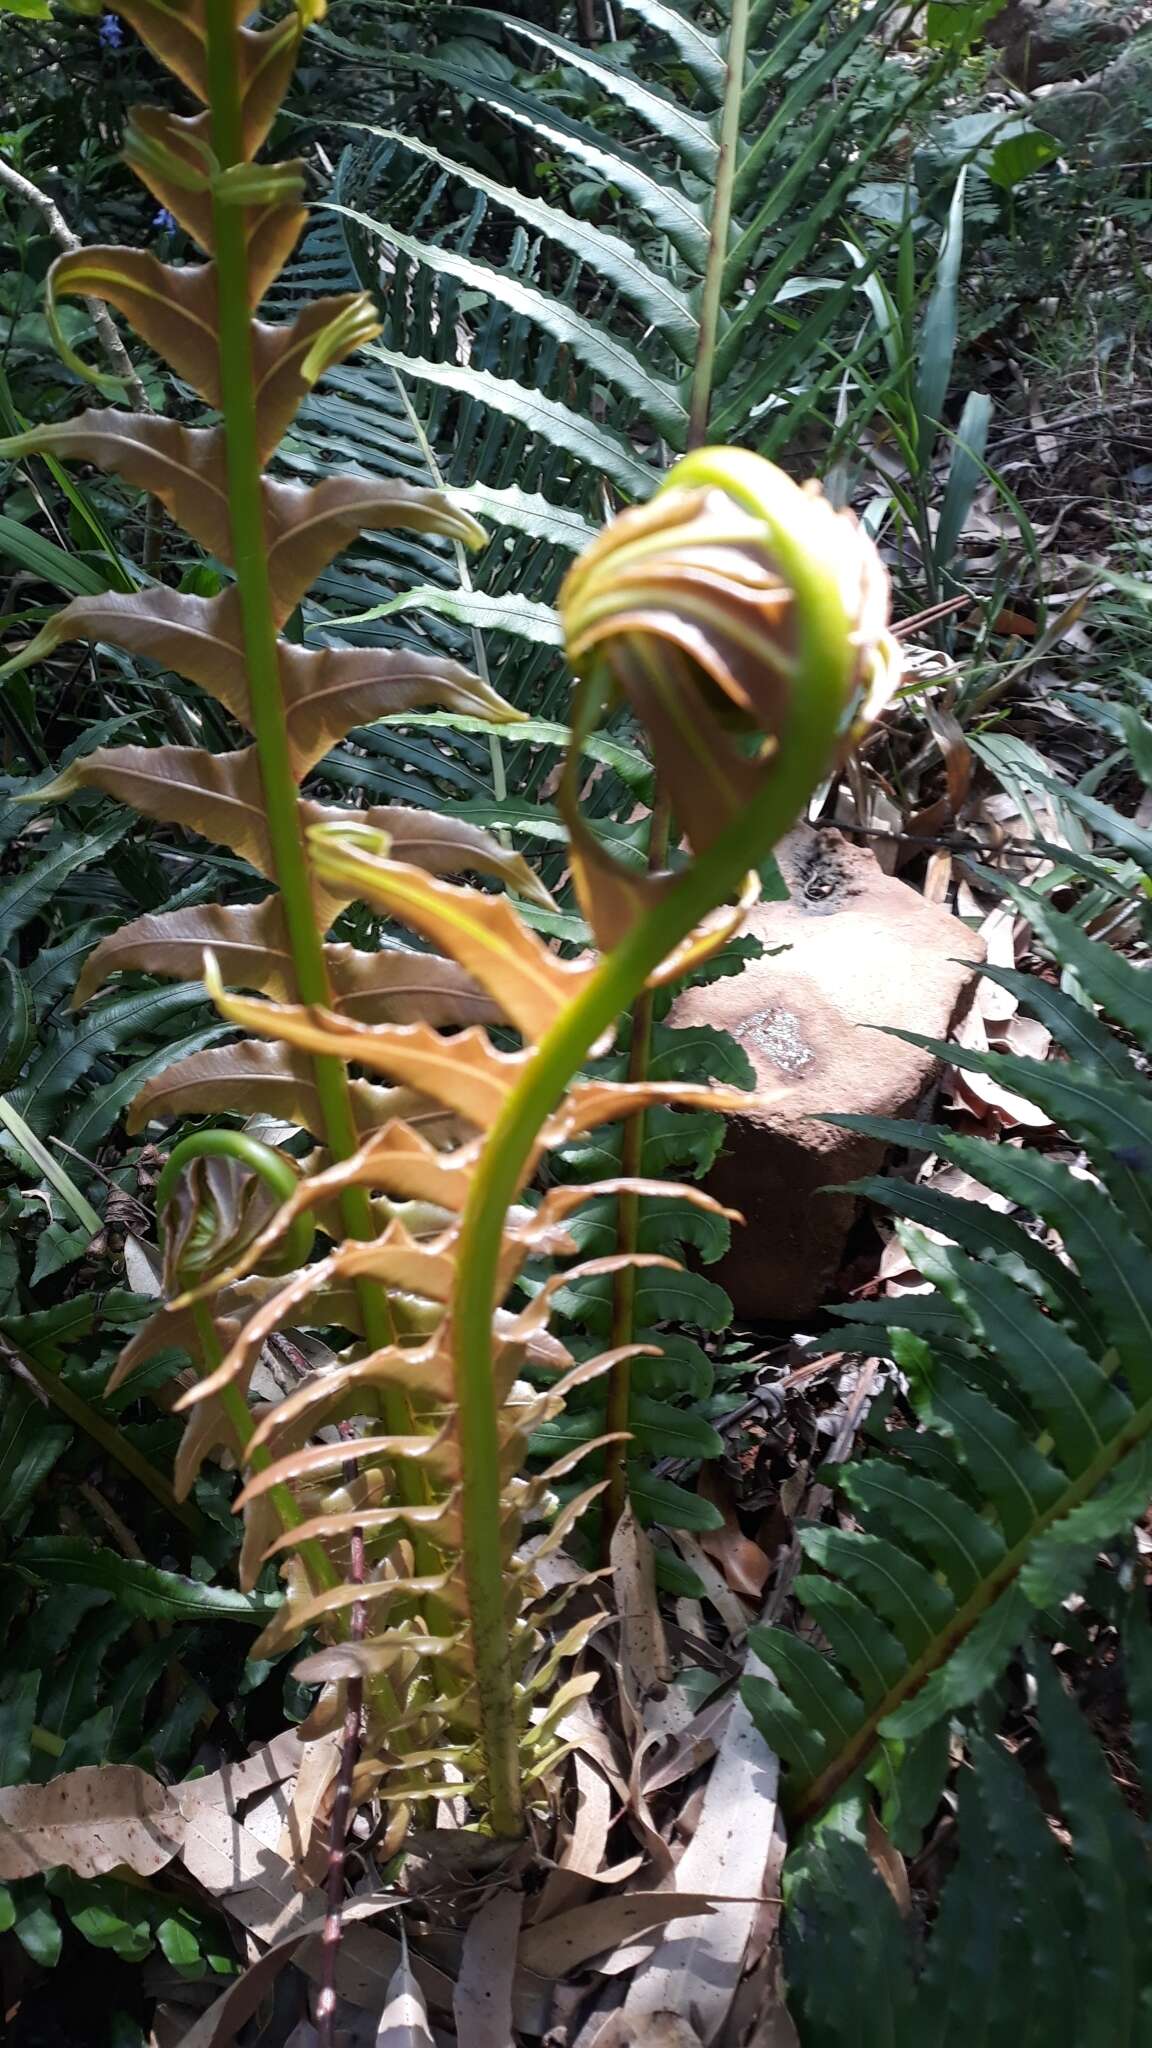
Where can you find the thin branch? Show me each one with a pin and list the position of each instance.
(22, 188)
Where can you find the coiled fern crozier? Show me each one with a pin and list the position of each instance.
(743, 621)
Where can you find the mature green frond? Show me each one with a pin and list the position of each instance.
(1040, 1935)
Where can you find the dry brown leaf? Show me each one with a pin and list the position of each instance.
(658, 2030)
(367, 1964)
(247, 1878)
(232, 1784)
(888, 1862)
(743, 1563)
(950, 737)
(719, 1593)
(404, 2020)
(91, 1821)
(482, 2006)
(937, 877)
(696, 1967)
(644, 1658)
(998, 931)
(1028, 1038)
(580, 1859)
(560, 1945)
(1006, 1110)
(985, 1096)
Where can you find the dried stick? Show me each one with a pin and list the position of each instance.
(22, 188)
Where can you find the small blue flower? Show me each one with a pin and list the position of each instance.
(111, 31)
(164, 221)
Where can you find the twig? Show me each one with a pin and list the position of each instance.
(22, 188)
(112, 1441)
(341, 1809)
(117, 1528)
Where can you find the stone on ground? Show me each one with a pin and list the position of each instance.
(863, 949)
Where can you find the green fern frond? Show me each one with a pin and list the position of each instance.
(1040, 1935)
(1030, 1373)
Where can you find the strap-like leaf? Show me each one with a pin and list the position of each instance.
(1079, 1405)
(664, 116)
(661, 200)
(595, 445)
(1114, 1121)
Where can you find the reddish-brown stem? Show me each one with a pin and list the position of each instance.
(341, 1808)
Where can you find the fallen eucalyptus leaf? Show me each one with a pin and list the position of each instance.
(559, 1946)
(404, 2020)
(91, 1821)
(482, 2006)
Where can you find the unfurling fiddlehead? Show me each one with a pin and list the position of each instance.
(744, 624)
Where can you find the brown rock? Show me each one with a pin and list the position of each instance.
(863, 949)
(1044, 41)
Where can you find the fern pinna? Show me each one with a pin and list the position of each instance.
(745, 624)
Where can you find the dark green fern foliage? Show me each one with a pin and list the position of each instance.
(1040, 1934)
(1031, 1379)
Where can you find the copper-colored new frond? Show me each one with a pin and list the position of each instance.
(699, 609)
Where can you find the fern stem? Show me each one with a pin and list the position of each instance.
(268, 722)
(715, 877)
(618, 1407)
(712, 289)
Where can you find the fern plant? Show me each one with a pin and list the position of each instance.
(1030, 1374)
(528, 389)
(966, 1537)
(742, 621)
(637, 137)
(544, 356)
(1040, 1931)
